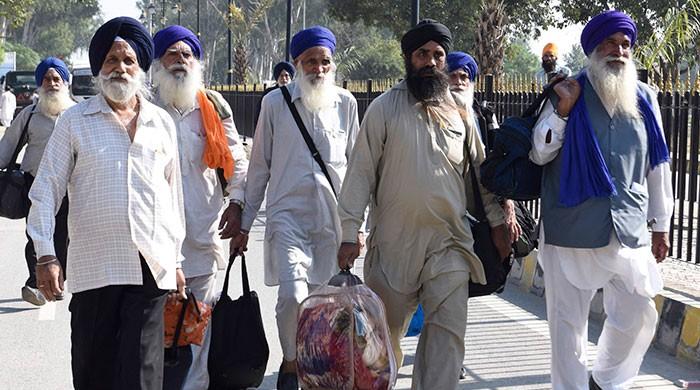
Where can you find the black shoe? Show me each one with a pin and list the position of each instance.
(463, 373)
(287, 380)
(592, 385)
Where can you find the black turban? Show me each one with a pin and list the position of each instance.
(131, 31)
(425, 31)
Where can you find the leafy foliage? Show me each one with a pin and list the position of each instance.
(519, 59)
(491, 37)
(27, 59)
(575, 59)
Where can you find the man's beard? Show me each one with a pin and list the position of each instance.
(549, 66)
(178, 89)
(53, 103)
(464, 97)
(119, 91)
(317, 89)
(615, 84)
(427, 85)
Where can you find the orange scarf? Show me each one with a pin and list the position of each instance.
(216, 151)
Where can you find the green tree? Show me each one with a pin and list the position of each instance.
(575, 59)
(526, 17)
(12, 14)
(368, 52)
(520, 59)
(27, 59)
(59, 27)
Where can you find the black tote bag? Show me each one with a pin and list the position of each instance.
(14, 183)
(238, 350)
(495, 268)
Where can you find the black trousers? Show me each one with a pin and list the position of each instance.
(117, 336)
(60, 242)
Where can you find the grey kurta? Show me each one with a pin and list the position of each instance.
(302, 230)
(412, 168)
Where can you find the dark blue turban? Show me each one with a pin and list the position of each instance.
(173, 34)
(312, 37)
(423, 32)
(128, 29)
(284, 65)
(605, 25)
(48, 63)
(460, 60)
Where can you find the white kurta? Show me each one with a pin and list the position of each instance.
(202, 248)
(629, 278)
(302, 231)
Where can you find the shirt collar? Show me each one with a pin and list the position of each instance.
(99, 104)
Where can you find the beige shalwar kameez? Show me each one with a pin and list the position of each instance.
(420, 246)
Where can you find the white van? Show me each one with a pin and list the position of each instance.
(82, 86)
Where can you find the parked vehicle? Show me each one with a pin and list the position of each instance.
(23, 86)
(82, 86)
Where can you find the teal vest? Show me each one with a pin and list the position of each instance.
(623, 143)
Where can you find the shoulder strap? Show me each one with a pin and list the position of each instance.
(478, 202)
(220, 106)
(23, 137)
(309, 142)
(536, 106)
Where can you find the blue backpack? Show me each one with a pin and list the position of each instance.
(507, 170)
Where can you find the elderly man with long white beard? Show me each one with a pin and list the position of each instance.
(116, 155)
(208, 143)
(302, 232)
(606, 180)
(52, 77)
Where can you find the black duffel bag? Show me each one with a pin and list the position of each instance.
(14, 183)
(238, 349)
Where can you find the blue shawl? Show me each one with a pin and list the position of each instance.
(584, 173)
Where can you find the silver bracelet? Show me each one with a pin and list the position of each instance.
(54, 260)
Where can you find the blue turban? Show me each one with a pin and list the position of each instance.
(605, 25)
(312, 37)
(48, 63)
(460, 60)
(173, 34)
(284, 65)
(128, 29)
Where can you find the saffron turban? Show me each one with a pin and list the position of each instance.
(425, 31)
(48, 63)
(551, 48)
(460, 60)
(173, 34)
(605, 25)
(284, 65)
(311, 37)
(128, 29)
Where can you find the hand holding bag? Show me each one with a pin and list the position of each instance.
(194, 322)
(238, 350)
(14, 188)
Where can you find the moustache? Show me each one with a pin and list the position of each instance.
(177, 67)
(114, 76)
(428, 71)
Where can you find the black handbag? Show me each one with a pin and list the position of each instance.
(527, 241)
(495, 268)
(14, 184)
(238, 350)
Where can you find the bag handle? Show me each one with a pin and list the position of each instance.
(307, 138)
(181, 319)
(22, 137)
(244, 274)
(535, 107)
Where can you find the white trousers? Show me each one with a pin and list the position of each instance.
(440, 351)
(198, 376)
(289, 297)
(627, 331)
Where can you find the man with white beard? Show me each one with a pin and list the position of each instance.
(606, 180)
(116, 155)
(302, 231)
(208, 142)
(52, 78)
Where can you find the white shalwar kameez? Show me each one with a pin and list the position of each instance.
(629, 277)
(420, 247)
(302, 230)
(204, 202)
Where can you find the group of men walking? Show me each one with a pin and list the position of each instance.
(145, 172)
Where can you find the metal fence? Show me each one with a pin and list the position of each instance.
(680, 111)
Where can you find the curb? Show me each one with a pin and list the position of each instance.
(678, 328)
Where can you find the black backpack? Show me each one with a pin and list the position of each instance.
(507, 170)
